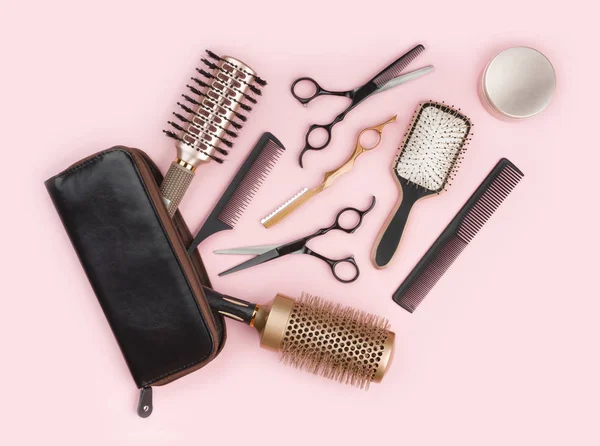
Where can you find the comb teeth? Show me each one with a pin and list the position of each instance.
(432, 148)
(251, 183)
(397, 67)
(458, 234)
(487, 204)
(432, 273)
(211, 108)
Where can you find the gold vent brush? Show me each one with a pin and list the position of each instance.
(306, 194)
(339, 343)
(213, 106)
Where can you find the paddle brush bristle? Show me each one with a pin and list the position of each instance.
(432, 148)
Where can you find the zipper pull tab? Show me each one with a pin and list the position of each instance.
(145, 404)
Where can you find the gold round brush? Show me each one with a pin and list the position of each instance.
(340, 343)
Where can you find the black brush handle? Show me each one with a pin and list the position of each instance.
(389, 241)
(231, 307)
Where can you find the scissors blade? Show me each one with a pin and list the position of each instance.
(412, 75)
(267, 256)
(249, 250)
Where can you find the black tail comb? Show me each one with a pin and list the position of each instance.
(462, 229)
(242, 188)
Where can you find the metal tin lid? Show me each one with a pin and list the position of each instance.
(518, 83)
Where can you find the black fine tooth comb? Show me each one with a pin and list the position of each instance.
(462, 229)
(242, 188)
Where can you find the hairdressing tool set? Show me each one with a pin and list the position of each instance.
(168, 325)
(428, 157)
(242, 188)
(267, 253)
(219, 95)
(390, 77)
(330, 177)
(458, 234)
(321, 337)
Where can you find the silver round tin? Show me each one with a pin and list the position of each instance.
(518, 83)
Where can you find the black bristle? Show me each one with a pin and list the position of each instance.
(172, 134)
(226, 142)
(236, 125)
(250, 99)
(176, 126)
(199, 82)
(195, 90)
(203, 84)
(255, 90)
(260, 81)
(185, 108)
(182, 118)
(191, 100)
(204, 73)
(240, 116)
(210, 65)
(230, 133)
(213, 55)
(186, 120)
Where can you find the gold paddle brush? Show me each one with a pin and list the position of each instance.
(318, 336)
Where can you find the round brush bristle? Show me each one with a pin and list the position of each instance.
(216, 100)
(339, 343)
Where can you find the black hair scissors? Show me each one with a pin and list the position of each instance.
(389, 77)
(266, 253)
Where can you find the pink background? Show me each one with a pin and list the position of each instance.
(503, 351)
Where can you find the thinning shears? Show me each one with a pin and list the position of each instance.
(389, 77)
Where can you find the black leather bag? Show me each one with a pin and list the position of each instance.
(135, 258)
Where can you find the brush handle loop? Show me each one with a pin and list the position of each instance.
(392, 233)
(231, 307)
(176, 182)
